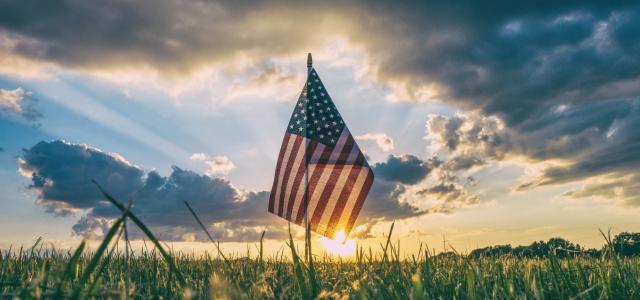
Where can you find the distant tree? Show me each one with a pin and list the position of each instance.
(627, 244)
(523, 251)
(592, 253)
(558, 246)
(447, 254)
(492, 251)
(563, 248)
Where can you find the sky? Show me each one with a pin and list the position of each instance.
(484, 123)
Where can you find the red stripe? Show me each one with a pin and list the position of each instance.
(297, 182)
(328, 189)
(313, 182)
(360, 202)
(360, 159)
(326, 194)
(287, 171)
(342, 200)
(343, 158)
(272, 195)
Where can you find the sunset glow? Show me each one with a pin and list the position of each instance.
(339, 245)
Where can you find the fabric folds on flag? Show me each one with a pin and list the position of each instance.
(339, 177)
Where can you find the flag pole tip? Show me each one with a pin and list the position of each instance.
(309, 60)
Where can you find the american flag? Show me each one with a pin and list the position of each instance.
(339, 177)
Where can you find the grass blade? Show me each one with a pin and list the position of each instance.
(93, 263)
(147, 232)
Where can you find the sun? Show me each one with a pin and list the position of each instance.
(339, 245)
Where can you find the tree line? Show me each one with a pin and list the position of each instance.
(623, 244)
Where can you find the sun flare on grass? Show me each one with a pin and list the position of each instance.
(339, 245)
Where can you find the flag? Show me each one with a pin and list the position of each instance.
(339, 177)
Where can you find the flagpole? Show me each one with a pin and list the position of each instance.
(307, 230)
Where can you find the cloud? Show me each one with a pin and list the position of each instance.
(61, 175)
(513, 62)
(553, 75)
(553, 83)
(383, 141)
(217, 166)
(170, 36)
(625, 189)
(258, 81)
(467, 138)
(574, 142)
(548, 82)
(406, 169)
(407, 186)
(449, 196)
(574, 52)
(198, 156)
(9, 99)
(19, 101)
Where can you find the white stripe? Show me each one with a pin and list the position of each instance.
(353, 198)
(338, 148)
(299, 159)
(335, 195)
(353, 155)
(300, 196)
(319, 188)
(283, 168)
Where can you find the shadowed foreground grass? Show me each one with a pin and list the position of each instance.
(38, 273)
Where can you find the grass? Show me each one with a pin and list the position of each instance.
(38, 272)
(46, 272)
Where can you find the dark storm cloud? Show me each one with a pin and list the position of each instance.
(507, 58)
(407, 169)
(513, 61)
(591, 139)
(510, 59)
(384, 202)
(388, 198)
(61, 175)
(519, 62)
(172, 36)
(450, 194)
(560, 80)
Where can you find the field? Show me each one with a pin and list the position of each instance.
(33, 273)
(110, 271)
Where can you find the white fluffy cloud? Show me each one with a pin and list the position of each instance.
(198, 156)
(19, 102)
(383, 141)
(216, 166)
(10, 100)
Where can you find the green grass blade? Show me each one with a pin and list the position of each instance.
(298, 266)
(147, 232)
(93, 263)
(70, 268)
